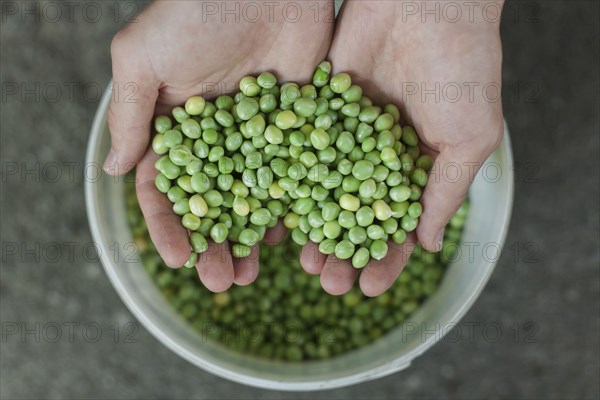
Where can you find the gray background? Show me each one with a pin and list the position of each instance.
(546, 283)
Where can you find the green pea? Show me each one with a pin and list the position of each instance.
(286, 119)
(267, 103)
(345, 167)
(349, 202)
(400, 193)
(224, 118)
(262, 216)
(332, 229)
(195, 165)
(357, 234)
(326, 92)
(384, 122)
(249, 86)
(365, 216)
(345, 142)
(215, 154)
(363, 131)
(299, 237)
(409, 136)
(219, 232)
(247, 108)
(319, 139)
(240, 250)
(213, 198)
(408, 223)
(344, 250)
(321, 75)
(209, 123)
(393, 111)
(193, 106)
(360, 258)
(330, 211)
(319, 193)
(163, 184)
(198, 205)
(381, 210)
(324, 122)
(266, 80)
(162, 123)
(172, 138)
(181, 207)
(209, 110)
(191, 128)
(249, 237)
(424, 162)
(291, 220)
(158, 144)
(353, 94)
(210, 136)
(166, 167)
(415, 192)
(350, 184)
(340, 83)
(191, 263)
(399, 236)
(288, 184)
(415, 210)
(390, 226)
(305, 107)
(375, 232)
(399, 209)
(346, 219)
(198, 242)
(363, 170)
(201, 149)
(255, 126)
(303, 206)
(418, 177)
(176, 193)
(351, 110)
(327, 246)
(367, 188)
(241, 206)
(316, 235)
(369, 114)
(378, 249)
(290, 92)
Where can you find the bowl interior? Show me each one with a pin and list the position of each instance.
(485, 230)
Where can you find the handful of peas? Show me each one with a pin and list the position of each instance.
(341, 171)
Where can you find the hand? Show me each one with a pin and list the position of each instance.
(383, 54)
(176, 50)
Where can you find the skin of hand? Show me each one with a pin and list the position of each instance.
(388, 53)
(178, 49)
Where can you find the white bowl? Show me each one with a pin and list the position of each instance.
(487, 225)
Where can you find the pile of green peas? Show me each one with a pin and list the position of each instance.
(286, 315)
(339, 170)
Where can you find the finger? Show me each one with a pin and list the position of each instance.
(379, 275)
(167, 233)
(215, 267)
(135, 90)
(311, 259)
(448, 184)
(275, 234)
(245, 269)
(338, 276)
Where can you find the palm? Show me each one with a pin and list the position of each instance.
(181, 58)
(394, 62)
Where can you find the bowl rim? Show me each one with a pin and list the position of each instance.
(92, 204)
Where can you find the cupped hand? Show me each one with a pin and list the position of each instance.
(398, 58)
(178, 49)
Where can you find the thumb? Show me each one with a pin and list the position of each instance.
(449, 181)
(135, 90)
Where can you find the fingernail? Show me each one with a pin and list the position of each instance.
(438, 240)
(111, 160)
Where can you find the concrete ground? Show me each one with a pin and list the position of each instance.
(544, 295)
